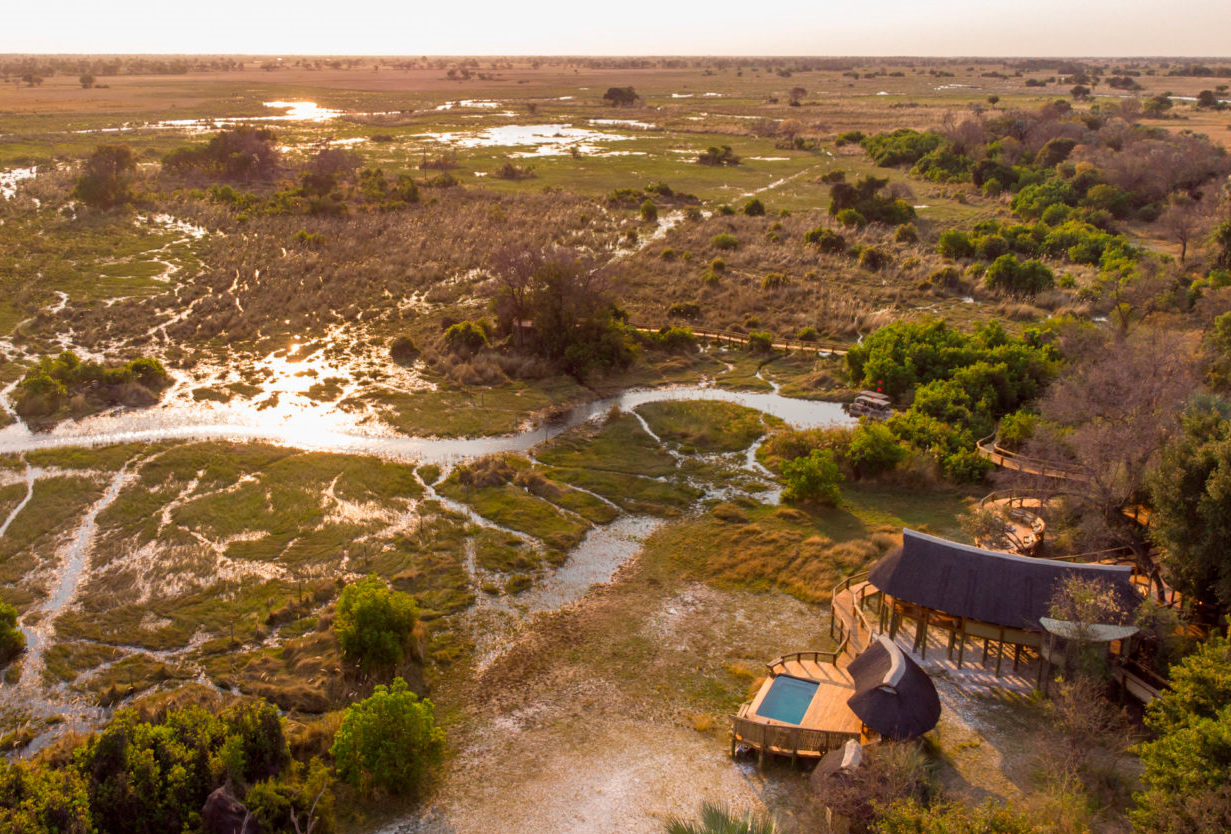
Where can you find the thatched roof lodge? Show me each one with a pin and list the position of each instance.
(971, 592)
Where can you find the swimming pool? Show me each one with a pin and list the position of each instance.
(787, 699)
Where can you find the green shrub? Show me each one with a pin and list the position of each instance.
(906, 233)
(955, 244)
(1016, 429)
(812, 479)
(774, 281)
(12, 641)
(874, 449)
(808, 334)
(827, 239)
(465, 337)
(649, 211)
(851, 217)
(388, 741)
(724, 241)
(1007, 275)
(374, 624)
(754, 208)
(761, 342)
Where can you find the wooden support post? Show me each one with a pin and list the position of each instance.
(999, 651)
(922, 634)
(961, 649)
(1017, 655)
(983, 662)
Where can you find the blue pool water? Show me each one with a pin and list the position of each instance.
(787, 699)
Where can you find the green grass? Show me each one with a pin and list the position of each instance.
(66, 661)
(757, 547)
(707, 426)
(454, 412)
(511, 506)
(105, 458)
(54, 509)
(633, 493)
(618, 445)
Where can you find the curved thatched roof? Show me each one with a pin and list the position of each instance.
(893, 695)
(998, 588)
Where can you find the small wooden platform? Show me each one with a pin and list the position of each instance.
(828, 710)
(827, 724)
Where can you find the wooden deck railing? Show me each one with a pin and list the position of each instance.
(1002, 457)
(815, 656)
(785, 741)
(855, 635)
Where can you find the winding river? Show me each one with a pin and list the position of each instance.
(315, 434)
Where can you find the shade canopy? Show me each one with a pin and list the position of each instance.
(893, 695)
(984, 585)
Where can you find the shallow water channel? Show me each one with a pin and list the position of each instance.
(183, 422)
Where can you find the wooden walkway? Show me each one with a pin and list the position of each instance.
(728, 337)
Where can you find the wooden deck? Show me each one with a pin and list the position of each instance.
(826, 725)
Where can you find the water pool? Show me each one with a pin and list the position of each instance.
(787, 699)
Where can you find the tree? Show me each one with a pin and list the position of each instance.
(1085, 603)
(37, 799)
(1206, 98)
(12, 641)
(814, 478)
(389, 741)
(1221, 239)
(621, 96)
(1182, 221)
(796, 94)
(1008, 275)
(87, 80)
(374, 624)
(107, 179)
(1106, 422)
(1188, 764)
(1190, 492)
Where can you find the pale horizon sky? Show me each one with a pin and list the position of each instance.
(966, 28)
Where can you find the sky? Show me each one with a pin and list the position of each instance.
(1078, 28)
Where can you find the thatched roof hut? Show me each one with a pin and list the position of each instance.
(893, 695)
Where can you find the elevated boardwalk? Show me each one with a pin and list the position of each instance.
(731, 338)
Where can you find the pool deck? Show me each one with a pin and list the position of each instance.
(828, 710)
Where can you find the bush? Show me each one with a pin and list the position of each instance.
(874, 449)
(465, 338)
(403, 350)
(814, 478)
(761, 342)
(389, 741)
(754, 208)
(774, 281)
(718, 156)
(808, 334)
(649, 211)
(851, 217)
(374, 624)
(827, 239)
(1007, 275)
(1016, 429)
(685, 309)
(107, 179)
(724, 241)
(955, 244)
(676, 339)
(906, 233)
(901, 147)
(872, 259)
(12, 641)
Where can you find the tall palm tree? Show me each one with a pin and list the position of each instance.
(716, 819)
